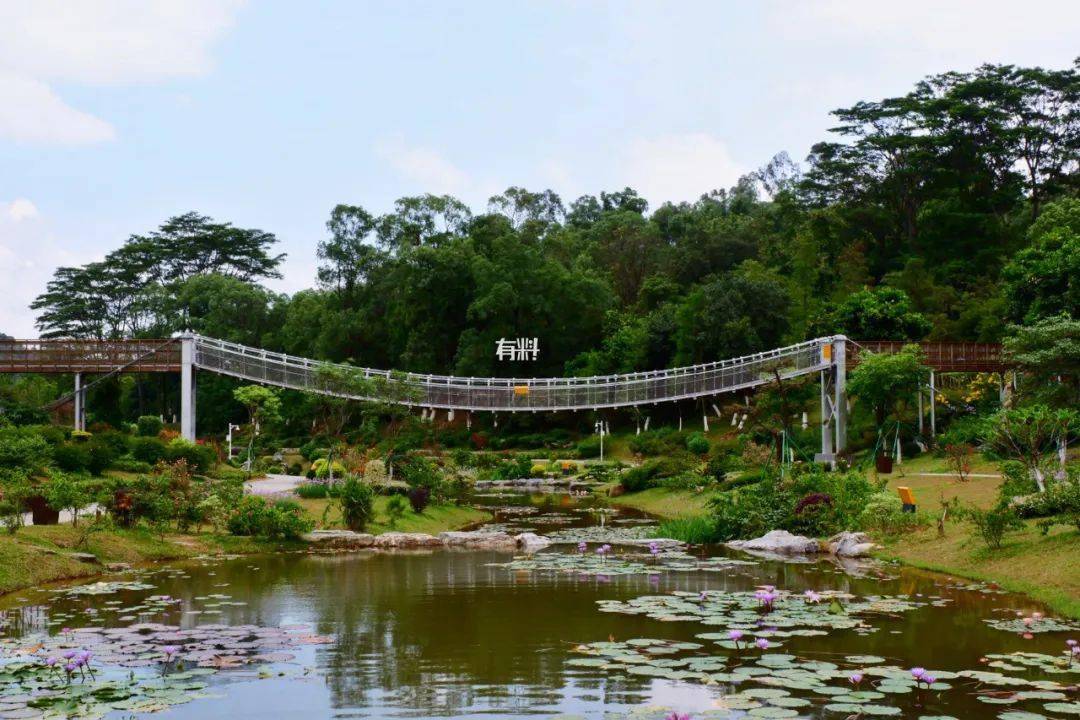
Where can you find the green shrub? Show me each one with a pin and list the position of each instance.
(697, 443)
(284, 519)
(200, 458)
(694, 530)
(639, 478)
(149, 426)
(312, 491)
(993, 524)
(322, 468)
(656, 442)
(131, 465)
(71, 457)
(357, 501)
(395, 509)
(119, 443)
(1059, 498)
(884, 513)
(15, 490)
(65, 491)
(247, 518)
(148, 450)
(588, 447)
(683, 481)
(23, 447)
(100, 456)
(538, 471)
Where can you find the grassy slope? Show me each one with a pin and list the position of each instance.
(434, 519)
(37, 555)
(1046, 568)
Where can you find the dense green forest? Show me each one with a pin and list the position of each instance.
(951, 212)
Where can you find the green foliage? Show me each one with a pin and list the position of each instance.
(263, 404)
(71, 457)
(149, 425)
(588, 447)
(65, 491)
(1029, 433)
(279, 519)
(199, 458)
(357, 501)
(774, 503)
(882, 313)
(311, 491)
(884, 513)
(149, 450)
(882, 380)
(23, 447)
(323, 469)
(993, 524)
(1043, 280)
(395, 509)
(694, 530)
(1048, 353)
(15, 490)
(697, 443)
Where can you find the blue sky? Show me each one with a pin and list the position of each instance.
(116, 114)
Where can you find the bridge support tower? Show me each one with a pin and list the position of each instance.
(834, 401)
(187, 387)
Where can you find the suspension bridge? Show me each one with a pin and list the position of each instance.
(827, 357)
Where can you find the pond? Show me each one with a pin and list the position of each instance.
(568, 632)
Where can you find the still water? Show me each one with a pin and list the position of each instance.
(457, 633)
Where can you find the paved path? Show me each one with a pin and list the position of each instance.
(274, 484)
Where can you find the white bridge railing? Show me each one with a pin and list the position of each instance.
(524, 394)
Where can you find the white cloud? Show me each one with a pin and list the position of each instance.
(423, 167)
(97, 42)
(29, 254)
(19, 209)
(956, 33)
(31, 112)
(678, 167)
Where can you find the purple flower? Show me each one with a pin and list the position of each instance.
(70, 667)
(762, 643)
(918, 672)
(812, 597)
(51, 661)
(1071, 643)
(654, 548)
(735, 635)
(929, 680)
(677, 716)
(582, 547)
(69, 654)
(855, 678)
(169, 651)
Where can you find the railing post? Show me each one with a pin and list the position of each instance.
(187, 387)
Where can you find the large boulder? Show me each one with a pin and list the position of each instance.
(406, 540)
(779, 542)
(479, 540)
(851, 544)
(339, 539)
(531, 542)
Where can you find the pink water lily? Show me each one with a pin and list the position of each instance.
(855, 678)
(762, 643)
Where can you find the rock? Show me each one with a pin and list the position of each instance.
(531, 542)
(479, 540)
(406, 540)
(117, 566)
(339, 539)
(780, 542)
(88, 558)
(851, 544)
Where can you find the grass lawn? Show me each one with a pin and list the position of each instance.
(665, 503)
(1046, 568)
(435, 518)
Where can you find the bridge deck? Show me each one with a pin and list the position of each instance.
(442, 391)
(89, 356)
